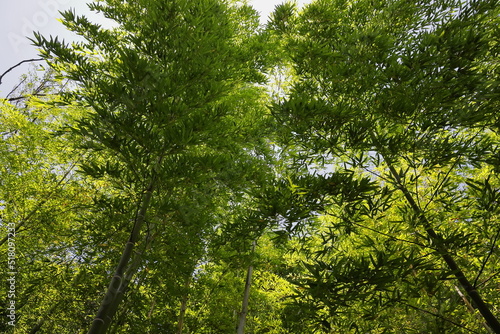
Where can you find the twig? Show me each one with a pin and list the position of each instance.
(24, 97)
(17, 86)
(440, 317)
(488, 279)
(493, 244)
(393, 237)
(18, 64)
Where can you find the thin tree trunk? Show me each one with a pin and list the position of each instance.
(118, 283)
(471, 309)
(182, 313)
(246, 295)
(471, 291)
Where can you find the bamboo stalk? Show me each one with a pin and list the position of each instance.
(471, 291)
(246, 296)
(118, 284)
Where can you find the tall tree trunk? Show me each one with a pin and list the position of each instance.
(246, 295)
(118, 284)
(472, 293)
(182, 313)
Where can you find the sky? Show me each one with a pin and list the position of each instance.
(20, 18)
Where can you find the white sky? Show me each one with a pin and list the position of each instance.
(20, 18)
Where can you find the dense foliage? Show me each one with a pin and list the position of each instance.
(189, 171)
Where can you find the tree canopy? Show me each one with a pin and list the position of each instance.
(188, 170)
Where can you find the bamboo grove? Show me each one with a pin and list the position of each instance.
(190, 170)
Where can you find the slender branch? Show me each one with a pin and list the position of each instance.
(489, 278)
(469, 143)
(16, 87)
(440, 317)
(493, 244)
(441, 183)
(18, 64)
(366, 169)
(12, 99)
(394, 238)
